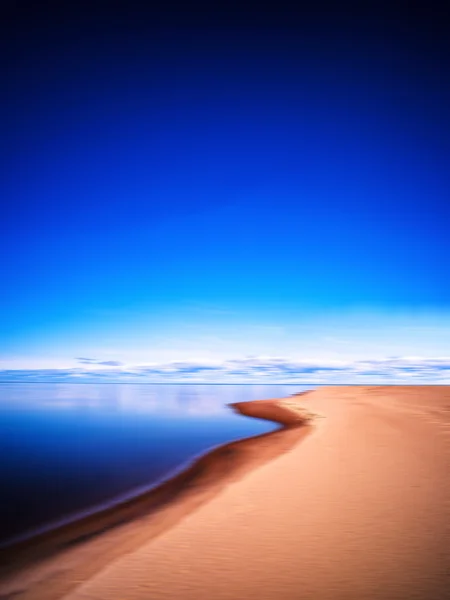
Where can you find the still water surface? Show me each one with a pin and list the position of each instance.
(69, 448)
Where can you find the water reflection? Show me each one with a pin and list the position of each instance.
(182, 400)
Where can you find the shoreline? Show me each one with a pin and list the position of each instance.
(98, 509)
(164, 505)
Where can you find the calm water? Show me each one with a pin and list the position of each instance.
(67, 448)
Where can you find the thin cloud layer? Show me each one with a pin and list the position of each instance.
(95, 361)
(246, 370)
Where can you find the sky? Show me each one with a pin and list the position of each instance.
(225, 195)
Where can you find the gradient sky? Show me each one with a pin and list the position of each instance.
(205, 187)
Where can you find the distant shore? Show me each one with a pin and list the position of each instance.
(114, 528)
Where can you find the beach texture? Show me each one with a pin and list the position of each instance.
(356, 507)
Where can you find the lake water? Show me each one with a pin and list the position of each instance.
(70, 448)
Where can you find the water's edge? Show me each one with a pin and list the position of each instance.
(191, 485)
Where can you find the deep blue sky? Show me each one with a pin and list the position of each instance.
(264, 165)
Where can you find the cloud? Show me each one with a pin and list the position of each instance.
(95, 361)
(110, 363)
(248, 370)
(37, 374)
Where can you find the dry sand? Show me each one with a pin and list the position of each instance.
(359, 510)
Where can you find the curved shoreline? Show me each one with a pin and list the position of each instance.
(169, 502)
(118, 500)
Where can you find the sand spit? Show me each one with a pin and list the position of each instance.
(360, 510)
(52, 564)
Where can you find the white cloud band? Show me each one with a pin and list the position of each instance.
(247, 370)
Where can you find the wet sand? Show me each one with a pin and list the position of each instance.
(359, 509)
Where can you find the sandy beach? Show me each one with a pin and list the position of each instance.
(352, 505)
